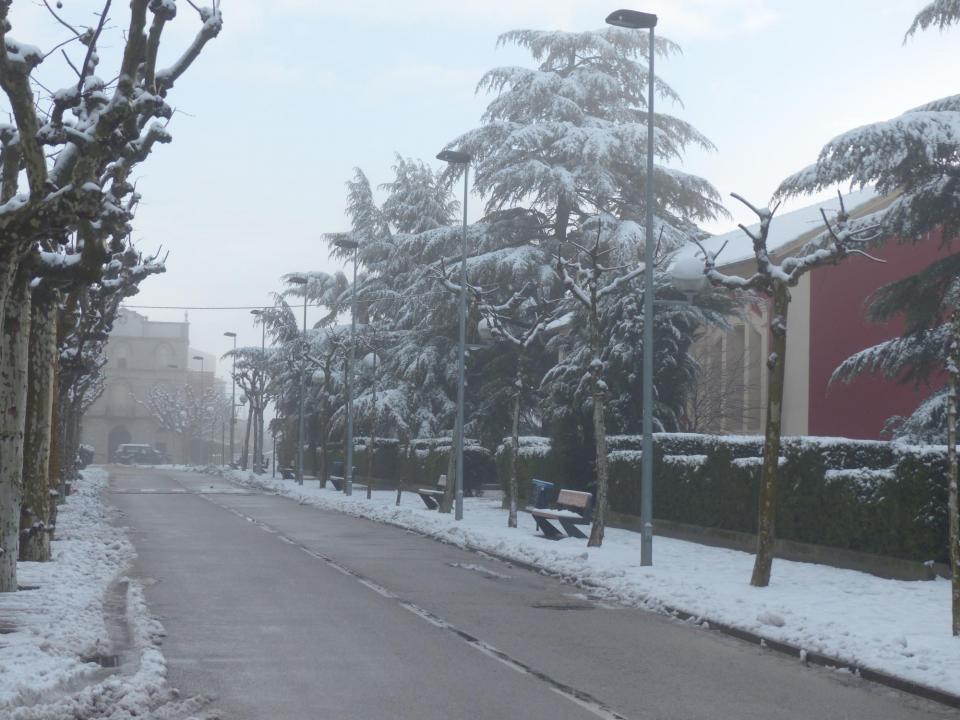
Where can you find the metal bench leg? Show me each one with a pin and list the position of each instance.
(548, 529)
(570, 526)
(429, 502)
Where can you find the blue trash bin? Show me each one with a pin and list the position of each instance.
(540, 493)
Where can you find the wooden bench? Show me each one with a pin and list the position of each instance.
(573, 508)
(431, 496)
(336, 481)
(288, 473)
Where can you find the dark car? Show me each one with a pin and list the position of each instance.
(130, 454)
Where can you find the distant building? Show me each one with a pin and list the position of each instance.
(826, 324)
(142, 354)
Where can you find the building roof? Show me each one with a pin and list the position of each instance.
(785, 229)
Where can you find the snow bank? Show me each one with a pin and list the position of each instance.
(897, 627)
(43, 675)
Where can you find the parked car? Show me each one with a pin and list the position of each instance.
(85, 455)
(131, 453)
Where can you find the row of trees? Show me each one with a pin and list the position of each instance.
(558, 158)
(67, 201)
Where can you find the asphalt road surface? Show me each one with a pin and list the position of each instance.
(283, 611)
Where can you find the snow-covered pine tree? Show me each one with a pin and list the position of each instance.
(566, 142)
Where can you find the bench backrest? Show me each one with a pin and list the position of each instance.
(575, 500)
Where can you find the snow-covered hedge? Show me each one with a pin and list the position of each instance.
(870, 496)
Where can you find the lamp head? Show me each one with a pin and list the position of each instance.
(632, 19)
(454, 156)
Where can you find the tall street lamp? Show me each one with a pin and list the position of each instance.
(263, 382)
(646, 21)
(233, 389)
(201, 401)
(300, 280)
(347, 244)
(457, 157)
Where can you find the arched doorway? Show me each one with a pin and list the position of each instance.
(118, 436)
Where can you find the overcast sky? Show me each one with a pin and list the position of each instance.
(296, 93)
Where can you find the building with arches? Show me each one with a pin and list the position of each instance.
(141, 355)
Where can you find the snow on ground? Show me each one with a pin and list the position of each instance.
(898, 627)
(43, 675)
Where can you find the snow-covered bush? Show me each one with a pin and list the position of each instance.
(869, 496)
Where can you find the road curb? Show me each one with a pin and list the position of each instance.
(807, 657)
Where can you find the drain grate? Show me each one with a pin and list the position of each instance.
(104, 661)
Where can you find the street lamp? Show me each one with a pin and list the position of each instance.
(300, 280)
(635, 20)
(457, 157)
(200, 403)
(347, 244)
(263, 380)
(233, 389)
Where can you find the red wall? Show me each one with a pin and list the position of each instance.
(838, 329)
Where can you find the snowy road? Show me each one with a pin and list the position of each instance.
(286, 611)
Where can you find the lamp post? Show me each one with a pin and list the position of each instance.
(300, 280)
(200, 402)
(263, 382)
(635, 20)
(233, 388)
(456, 157)
(347, 244)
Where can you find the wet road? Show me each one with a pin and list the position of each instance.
(281, 610)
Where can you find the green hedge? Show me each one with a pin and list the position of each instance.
(421, 462)
(874, 497)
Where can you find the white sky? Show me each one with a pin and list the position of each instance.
(295, 93)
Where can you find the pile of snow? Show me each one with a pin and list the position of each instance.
(60, 622)
(898, 627)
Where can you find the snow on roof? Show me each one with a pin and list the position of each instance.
(784, 229)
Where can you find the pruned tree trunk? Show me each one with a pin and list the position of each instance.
(776, 363)
(14, 343)
(56, 442)
(515, 449)
(600, 502)
(35, 509)
(953, 368)
(446, 502)
(373, 434)
(246, 440)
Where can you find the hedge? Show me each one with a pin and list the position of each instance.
(421, 462)
(869, 496)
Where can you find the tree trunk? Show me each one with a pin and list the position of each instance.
(246, 440)
(35, 510)
(953, 368)
(446, 502)
(776, 363)
(56, 445)
(599, 425)
(515, 449)
(373, 434)
(13, 400)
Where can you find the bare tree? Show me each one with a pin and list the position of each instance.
(723, 391)
(186, 412)
(774, 281)
(75, 160)
(588, 280)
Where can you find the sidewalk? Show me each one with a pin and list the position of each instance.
(893, 627)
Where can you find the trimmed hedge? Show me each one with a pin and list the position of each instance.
(869, 496)
(421, 462)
